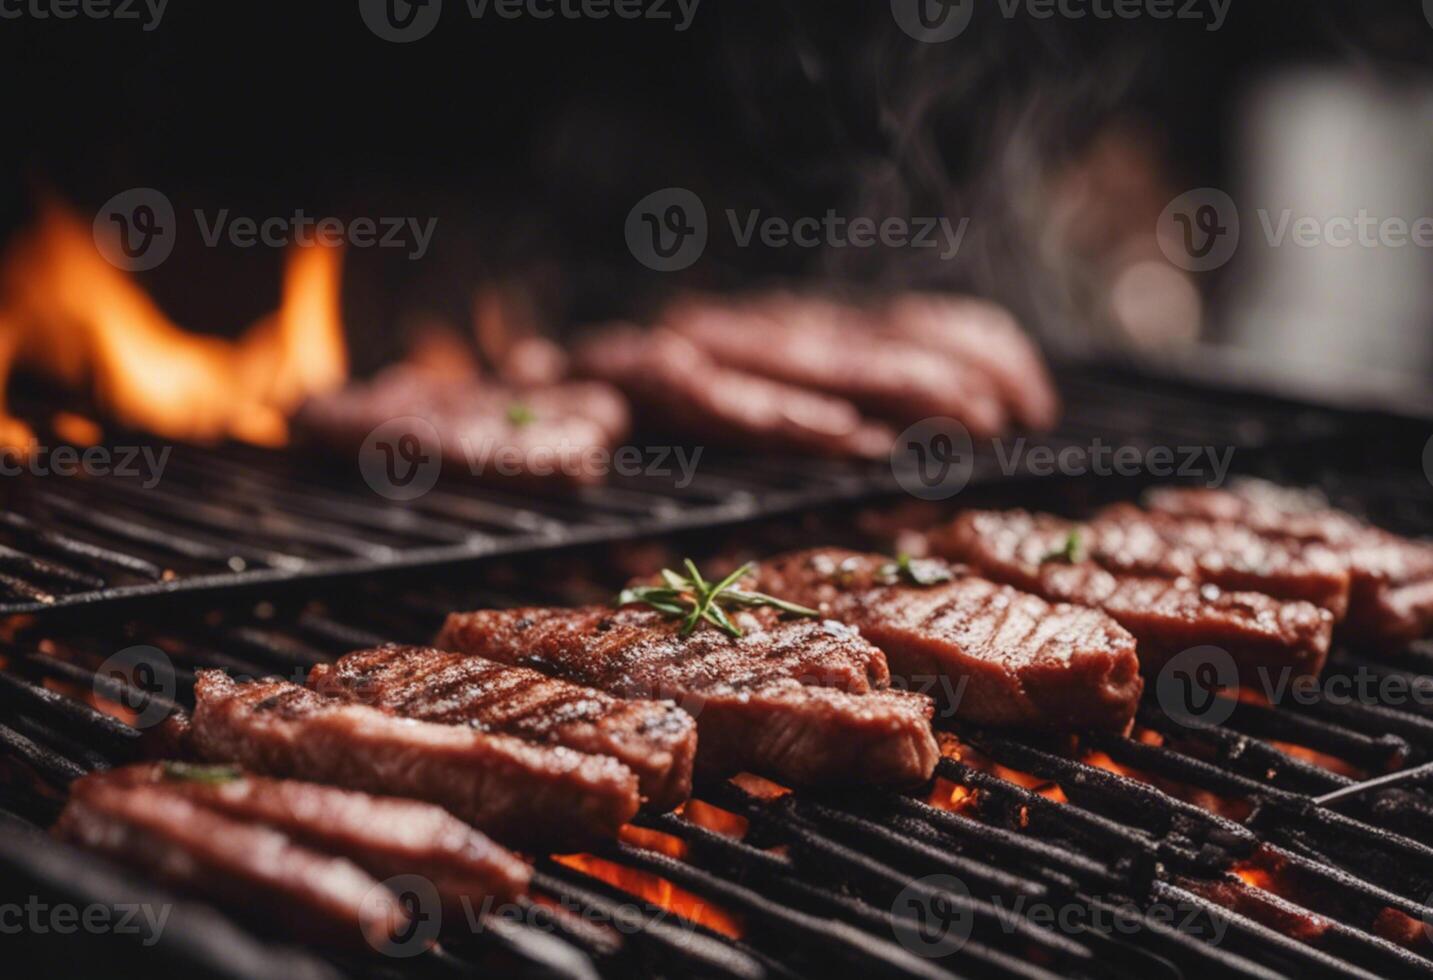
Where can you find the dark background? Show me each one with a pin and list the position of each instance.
(530, 140)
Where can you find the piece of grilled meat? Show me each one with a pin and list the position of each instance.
(986, 337)
(255, 870)
(677, 386)
(1391, 597)
(522, 794)
(825, 346)
(801, 701)
(988, 653)
(655, 739)
(383, 835)
(1127, 540)
(1044, 555)
(495, 432)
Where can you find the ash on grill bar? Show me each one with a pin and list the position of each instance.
(783, 490)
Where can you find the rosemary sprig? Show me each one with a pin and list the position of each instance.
(692, 598)
(1070, 551)
(914, 570)
(199, 773)
(520, 414)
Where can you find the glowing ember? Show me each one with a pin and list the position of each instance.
(68, 314)
(657, 890)
(715, 819)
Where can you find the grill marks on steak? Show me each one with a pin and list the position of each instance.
(252, 868)
(1165, 615)
(529, 432)
(1125, 539)
(801, 701)
(672, 381)
(522, 794)
(988, 653)
(655, 739)
(385, 836)
(1391, 596)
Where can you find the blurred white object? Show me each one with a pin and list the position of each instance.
(1315, 293)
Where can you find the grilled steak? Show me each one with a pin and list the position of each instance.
(522, 794)
(255, 870)
(680, 387)
(802, 702)
(827, 347)
(1391, 597)
(1125, 539)
(988, 653)
(491, 431)
(987, 338)
(384, 836)
(1165, 615)
(655, 739)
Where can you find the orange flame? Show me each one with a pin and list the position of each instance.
(72, 316)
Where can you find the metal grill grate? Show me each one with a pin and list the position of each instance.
(236, 516)
(1114, 829)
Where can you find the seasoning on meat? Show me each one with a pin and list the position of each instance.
(655, 739)
(1391, 597)
(801, 701)
(1167, 616)
(522, 794)
(988, 653)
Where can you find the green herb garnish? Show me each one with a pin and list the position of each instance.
(1069, 552)
(692, 598)
(520, 414)
(914, 570)
(198, 773)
